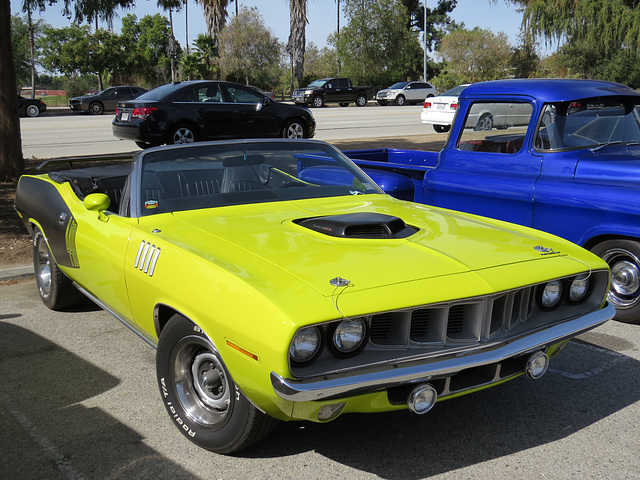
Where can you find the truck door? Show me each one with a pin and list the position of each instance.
(486, 170)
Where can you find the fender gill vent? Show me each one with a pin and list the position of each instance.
(359, 225)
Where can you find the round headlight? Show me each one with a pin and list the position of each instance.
(551, 294)
(579, 288)
(305, 344)
(349, 335)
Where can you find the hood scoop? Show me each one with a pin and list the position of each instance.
(359, 225)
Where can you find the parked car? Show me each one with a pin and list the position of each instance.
(405, 92)
(273, 291)
(440, 110)
(106, 100)
(187, 112)
(30, 107)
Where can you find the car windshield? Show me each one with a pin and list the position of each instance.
(107, 91)
(236, 173)
(588, 123)
(454, 92)
(317, 83)
(398, 86)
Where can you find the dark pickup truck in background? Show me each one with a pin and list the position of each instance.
(333, 90)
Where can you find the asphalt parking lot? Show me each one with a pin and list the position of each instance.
(78, 400)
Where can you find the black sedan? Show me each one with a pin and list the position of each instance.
(187, 112)
(30, 107)
(106, 100)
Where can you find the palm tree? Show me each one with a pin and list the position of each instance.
(215, 14)
(297, 41)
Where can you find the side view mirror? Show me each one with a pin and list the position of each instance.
(96, 202)
(262, 104)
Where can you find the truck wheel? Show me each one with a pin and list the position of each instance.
(441, 128)
(361, 100)
(623, 257)
(400, 100)
(200, 395)
(318, 102)
(485, 123)
(55, 289)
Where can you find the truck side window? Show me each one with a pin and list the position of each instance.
(495, 127)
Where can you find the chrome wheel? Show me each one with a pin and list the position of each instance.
(201, 382)
(96, 108)
(318, 102)
(485, 123)
(33, 111)
(43, 267)
(625, 277)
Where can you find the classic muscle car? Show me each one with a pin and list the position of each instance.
(272, 292)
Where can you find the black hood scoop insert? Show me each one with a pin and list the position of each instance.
(359, 225)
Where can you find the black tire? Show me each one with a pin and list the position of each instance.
(32, 111)
(200, 395)
(55, 289)
(294, 129)
(623, 257)
(400, 100)
(441, 128)
(361, 100)
(181, 134)
(96, 108)
(317, 102)
(485, 123)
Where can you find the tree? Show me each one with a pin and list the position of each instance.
(248, 49)
(475, 55)
(215, 14)
(525, 60)
(319, 63)
(11, 160)
(375, 46)
(297, 36)
(438, 20)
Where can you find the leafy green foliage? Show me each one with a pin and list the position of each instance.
(249, 53)
(375, 47)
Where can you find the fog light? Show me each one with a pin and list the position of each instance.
(537, 365)
(329, 412)
(422, 399)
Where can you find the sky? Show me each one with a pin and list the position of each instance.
(322, 15)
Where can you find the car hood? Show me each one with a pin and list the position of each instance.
(266, 237)
(85, 97)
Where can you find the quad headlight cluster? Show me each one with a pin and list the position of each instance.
(344, 338)
(575, 290)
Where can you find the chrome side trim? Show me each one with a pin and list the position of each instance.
(406, 371)
(121, 319)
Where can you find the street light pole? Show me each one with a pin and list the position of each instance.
(425, 40)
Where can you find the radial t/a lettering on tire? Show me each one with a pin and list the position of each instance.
(199, 393)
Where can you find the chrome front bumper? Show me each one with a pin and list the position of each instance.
(424, 368)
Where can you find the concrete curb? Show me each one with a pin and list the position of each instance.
(16, 273)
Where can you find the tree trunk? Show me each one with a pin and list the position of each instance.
(297, 41)
(11, 161)
(32, 48)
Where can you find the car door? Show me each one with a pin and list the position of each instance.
(486, 172)
(252, 115)
(207, 106)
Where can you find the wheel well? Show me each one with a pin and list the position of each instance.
(592, 242)
(161, 316)
(293, 119)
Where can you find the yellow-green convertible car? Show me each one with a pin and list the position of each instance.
(278, 282)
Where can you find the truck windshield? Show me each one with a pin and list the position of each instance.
(588, 123)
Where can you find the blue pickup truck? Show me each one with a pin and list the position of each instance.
(558, 155)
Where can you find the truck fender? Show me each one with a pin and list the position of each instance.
(395, 184)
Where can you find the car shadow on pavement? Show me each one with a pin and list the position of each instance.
(46, 432)
(587, 383)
